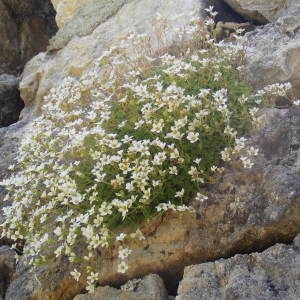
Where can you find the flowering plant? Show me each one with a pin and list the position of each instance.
(139, 135)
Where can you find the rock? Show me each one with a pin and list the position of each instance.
(272, 56)
(25, 28)
(261, 11)
(297, 241)
(272, 51)
(7, 268)
(95, 27)
(150, 287)
(270, 275)
(9, 56)
(86, 19)
(248, 210)
(10, 102)
(65, 10)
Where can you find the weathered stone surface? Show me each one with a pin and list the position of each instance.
(271, 275)
(272, 53)
(87, 17)
(9, 56)
(260, 11)
(7, 268)
(150, 287)
(10, 102)
(25, 28)
(248, 210)
(79, 55)
(66, 10)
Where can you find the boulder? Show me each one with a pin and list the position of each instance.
(95, 27)
(25, 28)
(151, 287)
(7, 268)
(273, 55)
(65, 10)
(261, 11)
(9, 56)
(248, 210)
(272, 51)
(271, 275)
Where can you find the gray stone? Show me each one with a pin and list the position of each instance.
(25, 28)
(87, 18)
(261, 11)
(273, 51)
(7, 268)
(150, 287)
(9, 56)
(80, 53)
(271, 275)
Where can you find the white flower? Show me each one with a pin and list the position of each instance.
(173, 170)
(297, 102)
(158, 126)
(121, 236)
(253, 151)
(124, 253)
(225, 154)
(200, 197)
(193, 137)
(137, 235)
(76, 275)
(122, 267)
(246, 162)
(179, 194)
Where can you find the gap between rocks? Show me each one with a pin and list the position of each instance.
(25, 27)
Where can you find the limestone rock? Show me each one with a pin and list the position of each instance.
(65, 10)
(150, 287)
(273, 56)
(25, 28)
(10, 102)
(96, 26)
(248, 210)
(7, 268)
(272, 51)
(9, 57)
(270, 275)
(261, 11)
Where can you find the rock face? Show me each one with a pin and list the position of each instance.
(273, 50)
(65, 10)
(270, 275)
(151, 287)
(261, 11)
(247, 211)
(7, 268)
(25, 29)
(84, 38)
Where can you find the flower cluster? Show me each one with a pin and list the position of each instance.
(139, 135)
